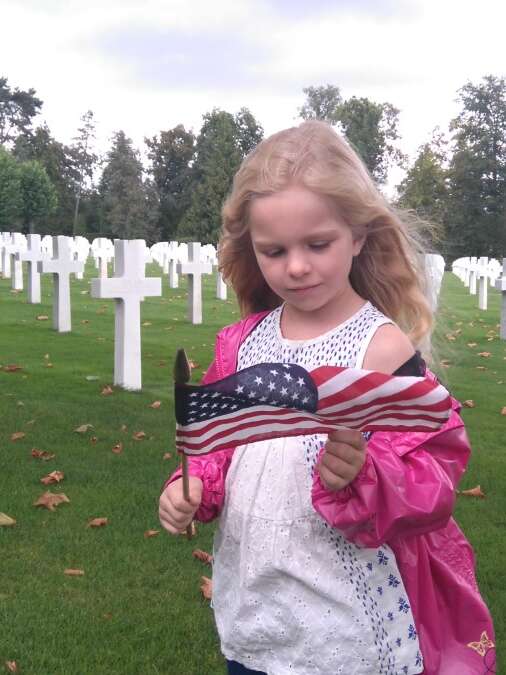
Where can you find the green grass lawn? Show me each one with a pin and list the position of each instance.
(138, 608)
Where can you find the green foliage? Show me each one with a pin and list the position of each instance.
(10, 197)
(217, 158)
(38, 196)
(84, 161)
(56, 158)
(371, 128)
(249, 131)
(170, 154)
(477, 172)
(129, 209)
(17, 108)
(425, 186)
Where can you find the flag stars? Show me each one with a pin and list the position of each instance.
(288, 377)
(258, 380)
(273, 372)
(252, 394)
(295, 396)
(239, 389)
(300, 381)
(284, 391)
(272, 386)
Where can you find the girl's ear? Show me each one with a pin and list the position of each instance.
(358, 244)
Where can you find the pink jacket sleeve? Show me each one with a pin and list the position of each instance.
(211, 469)
(406, 486)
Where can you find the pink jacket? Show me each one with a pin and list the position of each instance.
(403, 496)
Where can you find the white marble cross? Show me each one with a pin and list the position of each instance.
(18, 244)
(482, 274)
(32, 256)
(5, 261)
(128, 287)
(61, 266)
(473, 275)
(221, 286)
(102, 251)
(194, 268)
(500, 284)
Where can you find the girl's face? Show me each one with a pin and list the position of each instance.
(304, 249)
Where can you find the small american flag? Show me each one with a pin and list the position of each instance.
(272, 400)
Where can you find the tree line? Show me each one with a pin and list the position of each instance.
(457, 180)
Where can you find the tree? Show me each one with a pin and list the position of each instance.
(321, 103)
(17, 109)
(171, 154)
(249, 132)
(371, 128)
(477, 172)
(84, 160)
(10, 198)
(128, 205)
(58, 162)
(425, 187)
(38, 196)
(217, 158)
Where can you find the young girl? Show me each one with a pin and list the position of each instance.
(333, 554)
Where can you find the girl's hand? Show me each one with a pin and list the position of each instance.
(174, 511)
(342, 459)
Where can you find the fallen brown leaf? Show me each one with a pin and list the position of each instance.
(206, 587)
(469, 403)
(51, 500)
(193, 364)
(49, 365)
(481, 368)
(73, 572)
(123, 427)
(53, 477)
(85, 321)
(6, 521)
(503, 411)
(473, 492)
(167, 455)
(139, 435)
(155, 404)
(107, 390)
(83, 428)
(485, 355)
(42, 317)
(472, 344)
(42, 454)
(30, 422)
(151, 533)
(17, 435)
(94, 440)
(147, 323)
(118, 448)
(11, 667)
(163, 363)
(193, 530)
(203, 556)
(97, 522)
(11, 368)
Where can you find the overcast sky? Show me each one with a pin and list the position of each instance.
(147, 66)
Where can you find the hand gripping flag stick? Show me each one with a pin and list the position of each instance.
(182, 373)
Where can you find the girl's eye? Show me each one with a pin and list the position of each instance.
(274, 253)
(318, 245)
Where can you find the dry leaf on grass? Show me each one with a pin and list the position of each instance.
(206, 587)
(73, 572)
(97, 522)
(151, 533)
(6, 521)
(53, 477)
(472, 344)
(193, 364)
(123, 427)
(147, 323)
(484, 355)
(11, 368)
(203, 556)
(503, 411)
(42, 454)
(469, 403)
(50, 500)
(481, 368)
(155, 404)
(193, 530)
(17, 435)
(167, 455)
(473, 492)
(42, 317)
(107, 390)
(118, 448)
(94, 440)
(11, 667)
(139, 435)
(83, 428)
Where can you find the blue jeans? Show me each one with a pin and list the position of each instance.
(235, 668)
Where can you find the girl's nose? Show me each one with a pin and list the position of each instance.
(297, 265)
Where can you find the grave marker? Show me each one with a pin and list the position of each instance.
(194, 268)
(500, 284)
(61, 266)
(128, 288)
(33, 255)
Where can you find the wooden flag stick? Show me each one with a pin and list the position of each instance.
(182, 374)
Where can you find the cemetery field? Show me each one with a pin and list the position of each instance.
(138, 608)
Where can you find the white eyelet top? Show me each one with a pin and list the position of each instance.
(291, 595)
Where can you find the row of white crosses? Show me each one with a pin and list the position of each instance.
(128, 287)
(476, 274)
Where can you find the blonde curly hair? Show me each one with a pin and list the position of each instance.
(389, 271)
